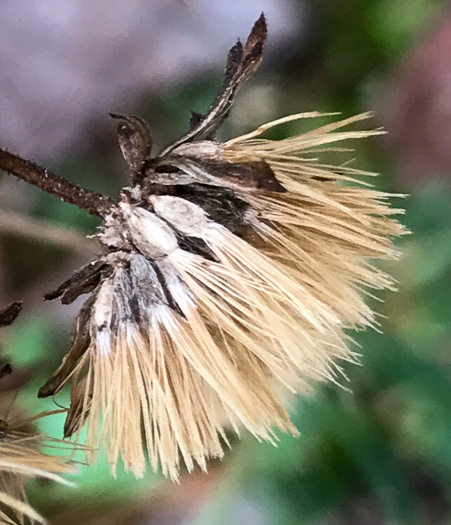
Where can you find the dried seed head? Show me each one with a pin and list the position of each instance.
(232, 272)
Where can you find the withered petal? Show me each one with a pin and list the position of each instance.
(251, 175)
(242, 62)
(135, 141)
(84, 280)
(80, 343)
(78, 411)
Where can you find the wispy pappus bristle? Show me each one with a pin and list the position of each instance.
(330, 225)
(23, 455)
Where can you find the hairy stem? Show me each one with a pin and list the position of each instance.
(94, 203)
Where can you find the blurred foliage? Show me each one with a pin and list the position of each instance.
(385, 446)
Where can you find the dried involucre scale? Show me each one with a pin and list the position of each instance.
(231, 273)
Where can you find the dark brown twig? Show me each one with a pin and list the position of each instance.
(94, 203)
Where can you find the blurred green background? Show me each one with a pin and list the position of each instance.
(378, 454)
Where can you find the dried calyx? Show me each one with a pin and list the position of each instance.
(230, 273)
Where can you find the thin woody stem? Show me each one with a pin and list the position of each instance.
(94, 203)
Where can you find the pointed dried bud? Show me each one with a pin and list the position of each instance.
(135, 141)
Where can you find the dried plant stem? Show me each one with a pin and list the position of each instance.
(94, 203)
(45, 232)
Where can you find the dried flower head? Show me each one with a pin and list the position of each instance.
(21, 452)
(230, 271)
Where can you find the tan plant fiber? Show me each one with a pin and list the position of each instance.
(330, 224)
(23, 455)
